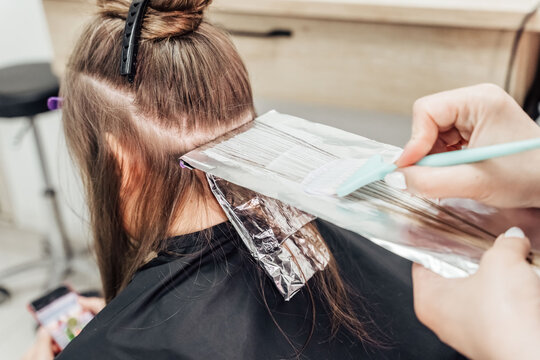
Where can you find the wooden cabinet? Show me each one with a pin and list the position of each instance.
(373, 55)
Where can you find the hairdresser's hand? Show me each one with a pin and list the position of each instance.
(92, 304)
(495, 313)
(43, 348)
(474, 116)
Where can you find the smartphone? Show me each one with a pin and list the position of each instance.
(60, 313)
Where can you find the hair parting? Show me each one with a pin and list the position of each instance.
(190, 87)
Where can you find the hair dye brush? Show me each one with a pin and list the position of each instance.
(343, 176)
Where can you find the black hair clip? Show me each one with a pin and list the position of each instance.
(131, 36)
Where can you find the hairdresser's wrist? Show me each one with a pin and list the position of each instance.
(530, 350)
(518, 338)
(526, 346)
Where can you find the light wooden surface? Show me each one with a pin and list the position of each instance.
(369, 65)
(375, 55)
(492, 14)
(66, 19)
(525, 66)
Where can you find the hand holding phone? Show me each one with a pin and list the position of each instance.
(61, 315)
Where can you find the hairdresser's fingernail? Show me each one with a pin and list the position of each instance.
(514, 232)
(396, 157)
(396, 180)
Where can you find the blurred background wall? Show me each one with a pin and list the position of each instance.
(353, 64)
(25, 38)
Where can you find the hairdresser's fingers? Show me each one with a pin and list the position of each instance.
(92, 304)
(438, 147)
(438, 302)
(56, 349)
(44, 339)
(451, 137)
(432, 115)
(424, 135)
(461, 181)
(460, 109)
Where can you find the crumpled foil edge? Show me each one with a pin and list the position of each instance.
(291, 263)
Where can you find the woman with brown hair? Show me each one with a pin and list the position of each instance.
(177, 279)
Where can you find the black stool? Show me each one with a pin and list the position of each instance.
(24, 90)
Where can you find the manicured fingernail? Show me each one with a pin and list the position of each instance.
(514, 232)
(396, 180)
(397, 156)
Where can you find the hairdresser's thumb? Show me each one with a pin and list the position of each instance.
(437, 300)
(462, 181)
(512, 246)
(426, 289)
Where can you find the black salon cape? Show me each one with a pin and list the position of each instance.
(210, 306)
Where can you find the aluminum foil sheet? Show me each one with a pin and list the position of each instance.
(273, 154)
(277, 235)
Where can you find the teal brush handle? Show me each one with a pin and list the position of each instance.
(467, 156)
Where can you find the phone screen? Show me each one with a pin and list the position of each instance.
(61, 315)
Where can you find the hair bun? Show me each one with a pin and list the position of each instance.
(163, 18)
